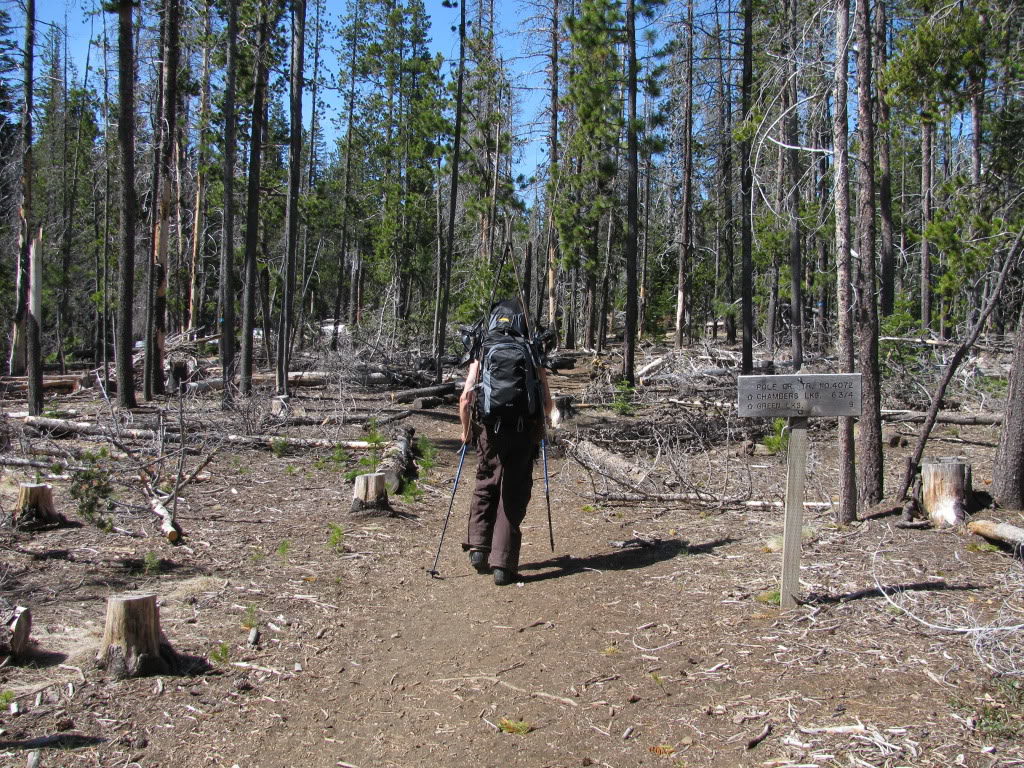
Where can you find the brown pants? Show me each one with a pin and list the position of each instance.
(504, 481)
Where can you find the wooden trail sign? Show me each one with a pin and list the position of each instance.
(813, 394)
(797, 397)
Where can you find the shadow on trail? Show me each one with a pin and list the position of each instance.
(56, 741)
(631, 557)
(919, 586)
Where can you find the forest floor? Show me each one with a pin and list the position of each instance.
(648, 637)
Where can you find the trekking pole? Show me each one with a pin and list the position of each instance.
(547, 492)
(458, 473)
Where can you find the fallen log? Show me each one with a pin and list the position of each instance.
(274, 442)
(408, 395)
(1001, 532)
(63, 428)
(391, 418)
(429, 403)
(19, 461)
(608, 465)
(966, 419)
(397, 459)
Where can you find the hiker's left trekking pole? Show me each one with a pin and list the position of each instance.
(547, 492)
(458, 473)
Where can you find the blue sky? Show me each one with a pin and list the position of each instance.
(527, 71)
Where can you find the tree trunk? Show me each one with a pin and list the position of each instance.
(227, 246)
(847, 510)
(869, 443)
(684, 247)
(292, 215)
(195, 300)
(747, 194)
(252, 214)
(126, 260)
(632, 192)
(927, 130)
(453, 199)
(796, 269)
(887, 253)
(1008, 468)
(156, 335)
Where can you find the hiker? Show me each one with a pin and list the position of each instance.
(504, 408)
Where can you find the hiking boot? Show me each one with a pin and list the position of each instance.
(504, 576)
(478, 559)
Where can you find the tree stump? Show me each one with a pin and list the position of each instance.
(15, 627)
(370, 493)
(945, 490)
(131, 637)
(35, 508)
(563, 410)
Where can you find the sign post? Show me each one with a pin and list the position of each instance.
(796, 398)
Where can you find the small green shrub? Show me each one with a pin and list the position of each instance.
(769, 597)
(284, 548)
(278, 447)
(151, 564)
(249, 618)
(6, 697)
(91, 487)
(517, 727)
(778, 441)
(334, 462)
(622, 403)
(220, 654)
(336, 537)
(411, 492)
(426, 453)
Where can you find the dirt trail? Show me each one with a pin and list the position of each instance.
(645, 639)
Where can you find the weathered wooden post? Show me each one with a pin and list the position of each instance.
(796, 398)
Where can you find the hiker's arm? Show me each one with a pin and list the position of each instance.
(466, 399)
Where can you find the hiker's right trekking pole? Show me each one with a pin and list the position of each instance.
(547, 492)
(458, 473)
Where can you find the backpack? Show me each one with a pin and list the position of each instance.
(509, 388)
